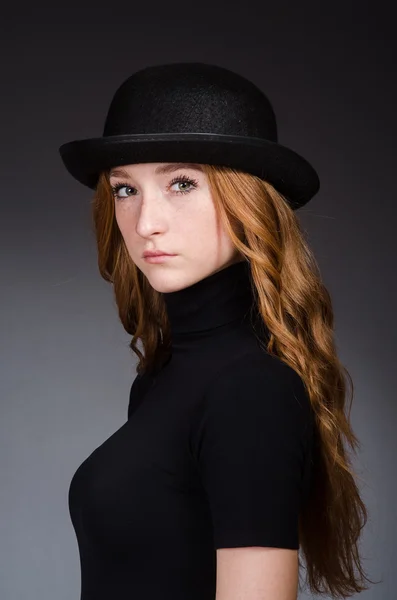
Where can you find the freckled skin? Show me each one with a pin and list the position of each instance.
(153, 215)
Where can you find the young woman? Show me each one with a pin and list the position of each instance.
(234, 454)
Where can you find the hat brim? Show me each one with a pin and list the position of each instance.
(286, 170)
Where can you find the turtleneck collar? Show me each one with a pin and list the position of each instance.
(216, 300)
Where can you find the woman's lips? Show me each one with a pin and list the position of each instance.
(158, 259)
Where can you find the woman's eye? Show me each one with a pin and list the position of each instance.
(185, 186)
(191, 183)
(117, 189)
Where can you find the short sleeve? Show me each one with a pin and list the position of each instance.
(250, 444)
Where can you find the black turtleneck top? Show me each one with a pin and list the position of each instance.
(215, 453)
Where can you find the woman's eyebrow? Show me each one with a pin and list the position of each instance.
(168, 168)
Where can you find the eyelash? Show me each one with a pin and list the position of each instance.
(180, 178)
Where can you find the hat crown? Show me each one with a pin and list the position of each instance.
(190, 98)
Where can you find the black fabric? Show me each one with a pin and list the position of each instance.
(215, 453)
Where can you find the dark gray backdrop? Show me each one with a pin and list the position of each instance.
(65, 367)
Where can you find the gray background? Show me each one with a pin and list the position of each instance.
(65, 365)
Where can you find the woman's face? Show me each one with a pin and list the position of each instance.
(168, 207)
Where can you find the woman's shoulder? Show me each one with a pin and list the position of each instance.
(138, 389)
(258, 374)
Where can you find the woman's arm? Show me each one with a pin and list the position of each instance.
(257, 573)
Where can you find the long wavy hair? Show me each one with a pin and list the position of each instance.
(297, 310)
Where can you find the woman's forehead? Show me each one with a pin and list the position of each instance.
(159, 168)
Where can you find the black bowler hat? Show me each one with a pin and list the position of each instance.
(193, 112)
